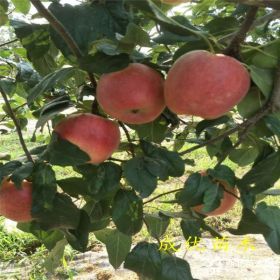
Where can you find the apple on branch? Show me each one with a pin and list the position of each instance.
(206, 85)
(133, 95)
(96, 136)
(16, 203)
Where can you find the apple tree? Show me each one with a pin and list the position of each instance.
(100, 79)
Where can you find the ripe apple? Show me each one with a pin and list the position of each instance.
(15, 204)
(96, 136)
(227, 202)
(133, 95)
(206, 85)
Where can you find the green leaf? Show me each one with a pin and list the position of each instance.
(51, 109)
(134, 36)
(268, 58)
(99, 214)
(8, 86)
(43, 188)
(263, 78)
(250, 224)
(156, 224)
(64, 153)
(222, 25)
(210, 123)
(244, 156)
(48, 238)
(73, 186)
(270, 216)
(4, 5)
(101, 63)
(97, 20)
(263, 175)
(78, 236)
(127, 212)
(174, 268)
(144, 259)
(22, 5)
(22, 173)
(8, 168)
(102, 181)
(138, 174)
(224, 174)
(49, 81)
(35, 38)
(251, 103)
(191, 229)
(171, 24)
(154, 131)
(54, 258)
(62, 214)
(200, 190)
(172, 160)
(117, 245)
(273, 123)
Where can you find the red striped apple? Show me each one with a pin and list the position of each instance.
(206, 85)
(96, 136)
(15, 204)
(133, 95)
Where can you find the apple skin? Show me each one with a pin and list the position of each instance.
(227, 202)
(96, 136)
(15, 204)
(206, 85)
(133, 95)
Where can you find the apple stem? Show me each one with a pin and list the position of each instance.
(18, 129)
(60, 29)
(131, 147)
(233, 48)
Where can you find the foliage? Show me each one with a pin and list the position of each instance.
(43, 78)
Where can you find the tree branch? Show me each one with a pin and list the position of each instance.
(60, 29)
(234, 47)
(7, 43)
(12, 115)
(259, 21)
(162, 194)
(275, 4)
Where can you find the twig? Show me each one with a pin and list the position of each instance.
(162, 194)
(234, 47)
(131, 147)
(275, 4)
(259, 21)
(251, 121)
(12, 115)
(60, 29)
(7, 43)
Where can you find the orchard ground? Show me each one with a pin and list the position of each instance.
(21, 254)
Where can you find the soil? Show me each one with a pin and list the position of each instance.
(242, 257)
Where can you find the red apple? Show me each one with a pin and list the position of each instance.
(96, 136)
(206, 85)
(15, 204)
(227, 202)
(133, 95)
